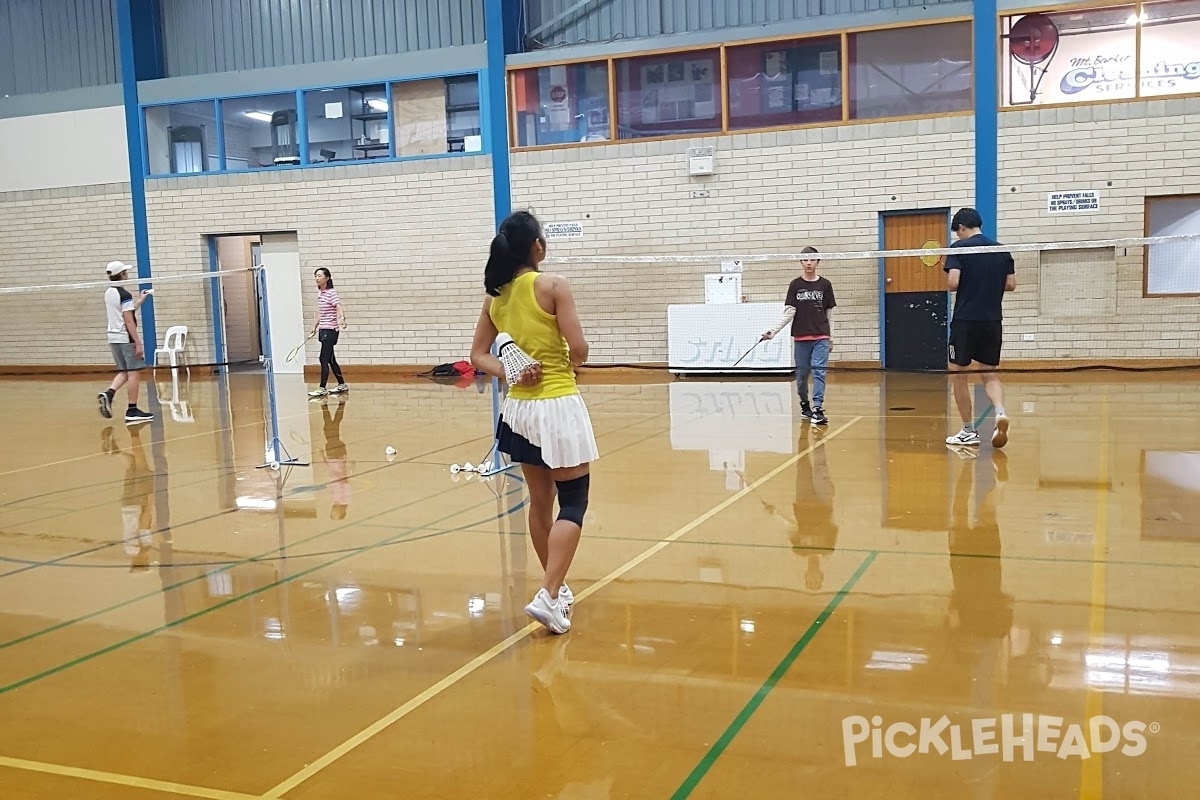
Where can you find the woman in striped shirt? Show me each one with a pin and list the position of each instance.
(331, 319)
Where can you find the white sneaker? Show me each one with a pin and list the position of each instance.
(551, 613)
(564, 594)
(964, 438)
(1000, 435)
(318, 392)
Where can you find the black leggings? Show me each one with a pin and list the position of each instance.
(328, 339)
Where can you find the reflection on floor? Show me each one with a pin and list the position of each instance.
(776, 604)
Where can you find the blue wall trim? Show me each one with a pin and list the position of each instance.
(987, 111)
(136, 142)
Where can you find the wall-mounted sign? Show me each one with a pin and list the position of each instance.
(1073, 202)
(562, 231)
(1081, 56)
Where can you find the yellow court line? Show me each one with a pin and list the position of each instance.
(130, 781)
(1091, 779)
(483, 658)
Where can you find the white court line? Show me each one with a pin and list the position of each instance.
(483, 658)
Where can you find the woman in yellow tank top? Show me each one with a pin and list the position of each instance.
(544, 424)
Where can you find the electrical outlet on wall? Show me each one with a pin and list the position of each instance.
(1029, 337)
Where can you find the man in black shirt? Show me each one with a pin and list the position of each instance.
(979, 281)
(808, 305)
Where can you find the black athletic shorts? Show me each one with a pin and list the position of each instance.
(972, 340)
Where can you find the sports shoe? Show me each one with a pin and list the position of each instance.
(818, 416)
(320, 391)
(105, 405)
(564, 594)
(550, 612)
(135, 416)
(341, 388)
(964, 438)
(805, 410)
(1000, 435)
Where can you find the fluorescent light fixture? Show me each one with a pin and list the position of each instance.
(377, 104)
(261, 116)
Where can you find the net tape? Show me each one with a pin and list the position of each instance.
(104, 284)
(709, 258)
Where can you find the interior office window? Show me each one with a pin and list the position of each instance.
(347, 124)
(1068, 56)
(669, 94)
(918, 71)
(1173, 268)
(261, 131)
(561, 104)
(1170, 32)
(439, 115)
(785, 83)
(181, 139)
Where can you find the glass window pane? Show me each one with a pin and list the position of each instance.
(436, 116)
(905, 72)
(785, 83)
(261, 131)
(669, 94)
(1068, 56)
(348, 124)
(561, 104)
(1170, 32)
(182, 139)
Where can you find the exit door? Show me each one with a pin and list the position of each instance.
(915, 305)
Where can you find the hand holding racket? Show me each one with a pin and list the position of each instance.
(296, 350)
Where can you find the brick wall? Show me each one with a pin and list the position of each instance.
(1092, 306)
(58, 236)
(406, 243)
(773, 192)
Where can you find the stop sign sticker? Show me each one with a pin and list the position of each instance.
(558, 94)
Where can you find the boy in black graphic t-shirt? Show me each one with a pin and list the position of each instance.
(810, 298)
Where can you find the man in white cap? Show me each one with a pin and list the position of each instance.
(125, 343)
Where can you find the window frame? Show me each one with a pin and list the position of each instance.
(1148, 201)
(302, 126)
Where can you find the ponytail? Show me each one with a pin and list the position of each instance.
(511, 250)
(501, 266)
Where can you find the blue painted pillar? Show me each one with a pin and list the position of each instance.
(500, 18)
(141, 59)
(986, 32)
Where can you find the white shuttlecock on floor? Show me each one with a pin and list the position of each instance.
(455, 469)
(515, 359)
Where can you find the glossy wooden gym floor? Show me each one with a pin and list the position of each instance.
(751, 594)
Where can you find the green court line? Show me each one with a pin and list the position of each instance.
(739, 722)
(236, 599)
(983, 416)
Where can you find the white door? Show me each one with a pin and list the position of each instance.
(285, 302)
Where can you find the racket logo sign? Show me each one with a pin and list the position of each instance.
(1011, 736)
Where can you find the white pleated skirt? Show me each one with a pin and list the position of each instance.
(554, 433)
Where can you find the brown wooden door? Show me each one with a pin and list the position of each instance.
(910, 232)
(915, 302)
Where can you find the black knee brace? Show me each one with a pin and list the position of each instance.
(573, 499)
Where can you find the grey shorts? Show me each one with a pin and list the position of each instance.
(126, 359)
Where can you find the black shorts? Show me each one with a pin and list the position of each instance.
(973, 340)
(518, 449)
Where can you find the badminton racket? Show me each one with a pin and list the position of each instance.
(515, 360)
(296, 350)
(788, 313)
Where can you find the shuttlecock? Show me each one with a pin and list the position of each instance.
(391, 451)
(467, 467)
(515, 359)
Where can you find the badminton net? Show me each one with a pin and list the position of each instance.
(60, 328)
(1117, 303)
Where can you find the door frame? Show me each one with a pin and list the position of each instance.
(884, 215)
(218, 309)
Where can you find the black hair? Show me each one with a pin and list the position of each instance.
(511, 249)
(328, 276)
(809, 250)
(966, 218)
(115, 278)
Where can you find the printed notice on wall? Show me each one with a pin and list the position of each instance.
(562, 231)
(1073, 202)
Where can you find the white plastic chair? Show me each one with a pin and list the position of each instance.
(173, 344)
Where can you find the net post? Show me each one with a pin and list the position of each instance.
(278, 453)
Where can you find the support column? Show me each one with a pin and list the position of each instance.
(986, 35)
(138, 44)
